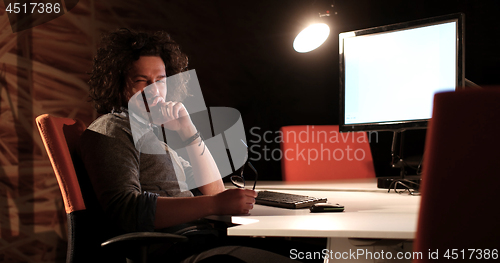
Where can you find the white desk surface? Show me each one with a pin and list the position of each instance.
(369, 213)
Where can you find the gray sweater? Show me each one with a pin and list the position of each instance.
(129, 171)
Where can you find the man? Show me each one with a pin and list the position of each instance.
(138, 180)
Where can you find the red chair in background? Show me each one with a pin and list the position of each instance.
(461, 178)
(321, 153)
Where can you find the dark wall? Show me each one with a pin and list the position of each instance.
(244, 58)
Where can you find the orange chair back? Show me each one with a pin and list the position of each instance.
(321, 153)
(460, 176)
(60, 137)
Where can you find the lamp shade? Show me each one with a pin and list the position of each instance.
(311, 37)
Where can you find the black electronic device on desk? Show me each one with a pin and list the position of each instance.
(286, 200)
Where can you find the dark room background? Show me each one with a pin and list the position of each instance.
(244, 59)
(243, 56)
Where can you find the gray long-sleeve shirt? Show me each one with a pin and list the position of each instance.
(128, 177)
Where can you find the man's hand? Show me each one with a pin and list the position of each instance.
(234, 202)
(174, 116)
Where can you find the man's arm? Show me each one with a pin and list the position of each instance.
(174, 116)
(205, 169)
(172, 211)
(112, 164)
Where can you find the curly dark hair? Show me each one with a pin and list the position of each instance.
(114, 58)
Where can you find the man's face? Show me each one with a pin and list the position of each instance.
(147, 74)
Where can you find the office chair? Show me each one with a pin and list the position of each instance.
(60, 136)
(321, 153)
(460, 177)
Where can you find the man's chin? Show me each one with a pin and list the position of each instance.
(157, 114)
(156, 101)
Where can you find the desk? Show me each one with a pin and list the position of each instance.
(370, 213)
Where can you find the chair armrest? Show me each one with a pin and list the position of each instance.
(143, 238)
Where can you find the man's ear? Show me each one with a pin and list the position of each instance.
(126, 92)
(125, 96)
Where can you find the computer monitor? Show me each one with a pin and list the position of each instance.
(389, 74)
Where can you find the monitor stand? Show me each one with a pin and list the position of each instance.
(404, 182)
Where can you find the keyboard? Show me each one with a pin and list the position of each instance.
(285, 200)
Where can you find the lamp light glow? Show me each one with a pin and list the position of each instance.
(311, 37)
